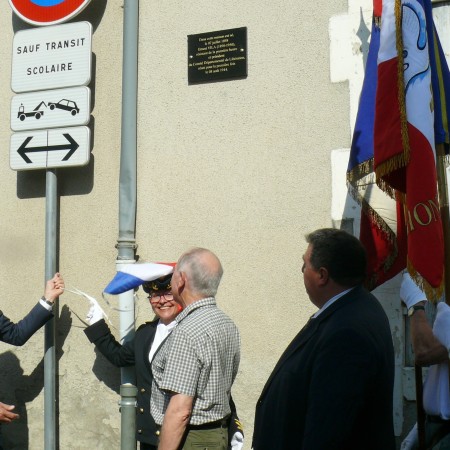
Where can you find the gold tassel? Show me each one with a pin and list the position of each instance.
(433, 294)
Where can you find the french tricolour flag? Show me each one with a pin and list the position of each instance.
(131, 276)
(404, 146)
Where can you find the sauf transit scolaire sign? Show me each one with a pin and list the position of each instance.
(47, 12)
(45, 60)
(52, 57)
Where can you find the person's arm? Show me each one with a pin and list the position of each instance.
(118, 355)
(6, 414)
(441, 327)
(176, 419)
(18, 334)
(427, 349)
(235, 429)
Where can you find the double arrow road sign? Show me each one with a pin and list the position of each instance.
(42, 149)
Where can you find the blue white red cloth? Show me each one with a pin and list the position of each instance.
(131, 276)
(404, 134)
(410, 108)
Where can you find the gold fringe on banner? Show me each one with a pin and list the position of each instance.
(402, 159)
(387, 188)
(433, 294)
(360, 171)
(401, 82)
(377, 20)
(372, 281)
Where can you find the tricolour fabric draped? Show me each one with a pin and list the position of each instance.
(392, 167)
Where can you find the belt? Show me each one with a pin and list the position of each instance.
(223, 423)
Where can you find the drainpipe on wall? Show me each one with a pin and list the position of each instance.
(126, 243)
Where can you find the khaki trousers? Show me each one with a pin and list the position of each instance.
(214, 439)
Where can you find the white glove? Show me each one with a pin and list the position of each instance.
(411, 441)
(95, 312)
(237, 441)
(441, 327)
(410, 293)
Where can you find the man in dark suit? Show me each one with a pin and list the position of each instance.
(18, 334)
(332, 388)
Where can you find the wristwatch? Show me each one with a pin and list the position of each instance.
(415, 308)
(47, 301)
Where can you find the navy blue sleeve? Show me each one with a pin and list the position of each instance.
(18, 334)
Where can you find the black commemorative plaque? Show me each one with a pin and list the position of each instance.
(217, 55)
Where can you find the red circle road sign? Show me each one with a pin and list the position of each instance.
(47, 12)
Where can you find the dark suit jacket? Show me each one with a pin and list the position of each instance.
(134, 352)
(18, 334)
(332, 388)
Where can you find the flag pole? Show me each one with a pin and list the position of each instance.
(445, 215)
(419, 407)
(445, 218)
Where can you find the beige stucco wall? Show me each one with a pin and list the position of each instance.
(241, 167)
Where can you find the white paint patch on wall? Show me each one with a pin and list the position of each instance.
(349, 41)
(342, 204)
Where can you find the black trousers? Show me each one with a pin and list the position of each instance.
(143, 446)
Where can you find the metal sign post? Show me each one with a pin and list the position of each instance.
(44, 61)
(51, 221)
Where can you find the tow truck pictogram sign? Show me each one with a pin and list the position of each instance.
(51, 109)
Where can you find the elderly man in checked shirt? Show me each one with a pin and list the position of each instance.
(195, 367)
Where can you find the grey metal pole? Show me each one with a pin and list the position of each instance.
(128, 416)
(126, 243)
(51, 220)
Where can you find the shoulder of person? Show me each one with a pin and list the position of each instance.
(150, 324)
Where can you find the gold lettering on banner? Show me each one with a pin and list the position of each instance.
(423, 214)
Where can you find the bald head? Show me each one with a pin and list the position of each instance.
(203, 270)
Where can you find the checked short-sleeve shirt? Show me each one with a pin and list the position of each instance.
(199, 359)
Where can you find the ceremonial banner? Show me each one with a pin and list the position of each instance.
(382, 228)
(404, 146)
(410, 113)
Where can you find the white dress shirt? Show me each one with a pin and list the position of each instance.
(162, 331)
(331, 301)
